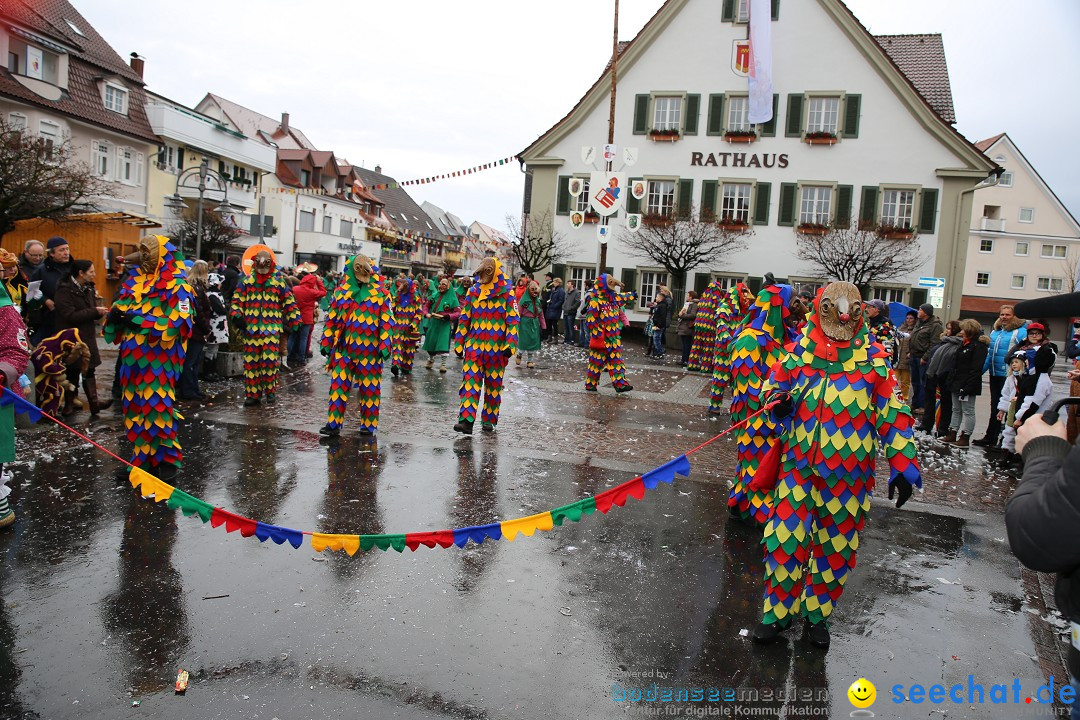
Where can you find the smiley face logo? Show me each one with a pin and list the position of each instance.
(862, 693)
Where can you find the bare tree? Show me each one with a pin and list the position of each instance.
(535, 244)
(217, 233)
(682, 243)
(1071, 272)
(860, 255)
(41, 179)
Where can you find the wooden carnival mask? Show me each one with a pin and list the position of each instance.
(840, 311)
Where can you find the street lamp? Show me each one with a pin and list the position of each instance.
(203, 173)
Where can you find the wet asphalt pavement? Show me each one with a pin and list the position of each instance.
(105, 595)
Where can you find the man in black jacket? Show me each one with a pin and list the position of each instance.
(1043, 520)
(660, 318)
(56, 267)
(232, 277)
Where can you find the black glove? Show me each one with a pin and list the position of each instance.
(460, 352)
(324, 351)
(784, 406)
(901, 485)
(115, 316)
(508, 352)
(134, 319)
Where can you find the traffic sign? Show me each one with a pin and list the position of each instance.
(932, 282)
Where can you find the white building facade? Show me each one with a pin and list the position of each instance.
(894, 159)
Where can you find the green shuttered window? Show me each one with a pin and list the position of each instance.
(562, 200)
(761, 203)
(788, 193)
(693, 110)
(928, 211)
(793, 128)
(641, 114)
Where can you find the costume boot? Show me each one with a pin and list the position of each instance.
(96, 406)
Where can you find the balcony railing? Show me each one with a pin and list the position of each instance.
(993, 224)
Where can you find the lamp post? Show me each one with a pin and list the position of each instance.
(203, 173)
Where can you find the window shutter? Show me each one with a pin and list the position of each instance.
(728, 12)
(868, 210)
(629, 279)
(852, 106)
(708, 200)
(716, 115)
(562, 201)
(641, 114)
(685, 198)
(794, 115)
(139, 161)
(558, 270)
(928, 211)
(693, 109)
(769, 129)
(761, 203)
(842, 216)
(755, 283)
(786, 216)
(633, 205)
(775, 9)
(701, 282)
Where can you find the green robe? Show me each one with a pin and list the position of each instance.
(529, 327)
(437, 339)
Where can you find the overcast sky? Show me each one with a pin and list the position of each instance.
(423, 87)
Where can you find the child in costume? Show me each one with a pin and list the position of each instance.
(486, 337)
(835, 400)
(758, 346)
(703, 350)
(442, 315)
(262, 308)
(151, 320)
(730, 314)
(603, 318)
(357, 339)
(1006, 409)
(1033, 386)
(53, 357)
(407, 316)
(530, 327)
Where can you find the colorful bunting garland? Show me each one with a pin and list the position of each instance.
(406, 183)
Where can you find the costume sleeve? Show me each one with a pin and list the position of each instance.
(464, 320)
(238, 304)
(512, 319)
(14, 350)
(1036, 400)
(894, 426)
(386, 327)
(331, 326)
(290, 312)
(1008, 392)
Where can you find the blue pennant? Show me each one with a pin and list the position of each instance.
(22, 407)
(477, 534)
(279, 534)
(666, 472)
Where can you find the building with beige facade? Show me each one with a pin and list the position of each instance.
(1024, 243)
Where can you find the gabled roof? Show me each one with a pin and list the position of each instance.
(922, 59)
(448, 223)
(91, 60)
(492, 232)
(257, 125)
(986, 145)
(401, 208)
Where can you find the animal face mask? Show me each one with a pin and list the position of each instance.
(362, 268)
(840, 311)
(262, 263)
(146, 257)
(486, 271)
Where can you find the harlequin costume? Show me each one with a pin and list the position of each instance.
(603, 318)
(263, 307)
(486, 337)
(730, 314)
(14, 357)
(357, 339)
(151, 320)
(837, 401)
(52, 357)
(407, 316)
(758, 346)
(703, 349)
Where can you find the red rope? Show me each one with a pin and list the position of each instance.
(733, 427)
(79, 434)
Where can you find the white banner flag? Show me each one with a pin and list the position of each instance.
(760, 82)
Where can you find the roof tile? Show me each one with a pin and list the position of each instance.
(922, 59)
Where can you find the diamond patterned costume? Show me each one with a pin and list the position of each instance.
(407, 317)
(731, 313)
(263, 306)
(844, 403)
(151, 320)
(702, 350)
(758, 346)
(603, 318)
(357, 339)
(486, 336)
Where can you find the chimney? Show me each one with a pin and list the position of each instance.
(285, 123)
(378, 169)
(137, 63)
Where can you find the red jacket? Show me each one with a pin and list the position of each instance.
(308, 292)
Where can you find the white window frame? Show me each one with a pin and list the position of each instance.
(1014, 286)
(50, 139)
(736, 213)
(128, 168)
(1016, 248)
(1057, 252)
(119, 92)
(983, 242)
(344, 225)
(656, 278)
(327, 225)
(742, 11)
(306, 215)
(654, 191)
(817, 119)
(582, 275)
(726, 281)
(1049, 284)
(101, 152)
(1031, 215)
(581, 202)
(1006, 179)
(810, 285)
(817, 201)
(984, 283)
(740, 105)
(899, 210)
(18, 121)
(889, 294)
(670, 106)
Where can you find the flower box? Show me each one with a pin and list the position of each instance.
(896, 233)
(657, 220)
(664, 135)
(812, 229)
(740, 136)
(733, 226)
(820, 138)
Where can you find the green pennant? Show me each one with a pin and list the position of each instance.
(190, 505)
(383, 542)
(574, 511)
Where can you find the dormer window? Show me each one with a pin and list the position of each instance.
(33, 61)
(116, 98)
(74, 27)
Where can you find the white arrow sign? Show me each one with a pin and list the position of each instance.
(934, 282)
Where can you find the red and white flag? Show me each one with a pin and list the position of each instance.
(760, 80)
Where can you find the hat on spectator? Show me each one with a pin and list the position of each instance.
(55, 242)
